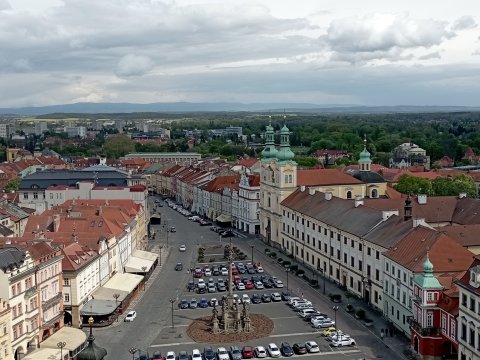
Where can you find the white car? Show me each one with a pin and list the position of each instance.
(246, 299)
(224, 271)
(260, 270)
(196, 354)
(337, 336)
(324, 323)
(260, 352)
(312, 347)
(182, 248)
(236, 299)
(273, 350)
(208, 272)
(258, 285)
(343, 341)
(240, 286)
(222, 354)
(130, 316)
(170, 355)
(278, 283)
(276, 297)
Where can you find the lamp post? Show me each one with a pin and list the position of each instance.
(132, 351)
(61, 345)
(172, 301)
(160, 255)
(252, 246)
(287, 270)
(335, 309)
(144, 268)
(323, 275)
(116, 296)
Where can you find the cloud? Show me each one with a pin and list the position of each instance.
(376, 36)
(433, 55)
(466, 22)
(134, 65)
(4, 5)
(22, 65)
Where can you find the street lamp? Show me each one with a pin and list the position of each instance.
(287, 270)
(132, 351)
(61, 345)
(116, 296)
(335, 309)
(144, 268)
(252, 246)
(323, 275)
(172, 301)
(160, 254)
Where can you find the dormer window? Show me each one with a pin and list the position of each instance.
(475, 276)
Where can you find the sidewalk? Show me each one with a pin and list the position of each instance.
(397, 343)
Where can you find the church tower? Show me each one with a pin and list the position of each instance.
(365, 161)
(278, 179)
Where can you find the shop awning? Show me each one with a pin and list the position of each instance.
(147, 255)
(224, 218)
(96, 307)
(103, 293)
(124, 282)
(136, 265)
(73, 338)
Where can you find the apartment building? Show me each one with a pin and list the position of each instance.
(6, 352)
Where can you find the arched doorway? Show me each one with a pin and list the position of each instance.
(374, 193)
(415, 344)
(349, 194)
(67, 318)
(19, 353)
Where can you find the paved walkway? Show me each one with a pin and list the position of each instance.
(398, 344)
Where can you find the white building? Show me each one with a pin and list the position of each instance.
(6, 130)
(247, 211)
(469, 310)
(74, 131)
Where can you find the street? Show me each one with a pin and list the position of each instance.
(152, 329)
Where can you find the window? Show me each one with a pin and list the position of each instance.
(377, 255)
(352, 243)
(360, 265)
(359, 247)
(377, 274)
(67, 297)
(386, 266)
(472, 304)
(471, 339)
(444, 324)
(463, 332)
(429, 296)
(464, 300)
(352, 261)
(35, 195)
(369, 270)
(25, 196)
(349, 194)
(452, 329)
(369, 251)
(345, 257)
(66, 282)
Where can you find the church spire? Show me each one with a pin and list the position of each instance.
(269, 152)
(285, 153)
(365, 161)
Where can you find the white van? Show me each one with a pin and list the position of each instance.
(292, 300)
(303, 313)
(303, 306)
(301, 301)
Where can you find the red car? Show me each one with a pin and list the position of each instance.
(248, 285)
(198, 273)
(234, 271)
(236, 279)
(247, 352)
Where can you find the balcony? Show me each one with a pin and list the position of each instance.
(51, 323)
(31, 292)
(48, 303)
(424, 331)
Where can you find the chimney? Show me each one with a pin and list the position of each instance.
(418, 222)
(462, 195)
(422, 199)
(56, 222)
(407, 214)
(386, 214)
(311, 191)
(358, 201)
(328, 195)
(302, 188)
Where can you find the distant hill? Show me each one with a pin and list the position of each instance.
(185, 107)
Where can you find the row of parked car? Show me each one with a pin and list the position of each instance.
(245, 352)
(320, 321)
(240, 283)
(244, 298)
(222, 269)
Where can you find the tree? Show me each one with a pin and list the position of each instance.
(118, 145)
(447, 186)
(408, 184)
(12, 185)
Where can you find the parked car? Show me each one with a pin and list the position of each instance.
(303, 313)
(259, 285)
(157, 355)
(170, 355)
(273, 350)
(224, 271)
(299, 349)
(323, 323)
(259, 269)
(182, 248)
(332, 330)
(312, 347)
(222, 354)
(172, 229)
(245, 299)
(203, 303)
(190, 285)
(240, 286)
(221, 287)
(235, 353)
(286, 295)
(248, 285)
(179, 267)
(193, 304)
(183, 355)
(198, 273)
(212, 288)
(256, 299)
(286, 349)
(247, 352)
(207, 272)
(260, 352)
(183, 304)
(344, 340)
(131, 315)
(227, 233)
(208, 353)
(196, 354)
(278, 283)
(266, 298)
(213, 302)
(276, 297)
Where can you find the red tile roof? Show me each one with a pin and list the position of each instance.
(323, 177)
(217, 184)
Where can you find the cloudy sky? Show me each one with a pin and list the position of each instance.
(366, 52)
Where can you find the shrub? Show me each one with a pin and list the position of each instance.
(273, 255)
(360, 314)
(267, 250)
(286, 263)
(300, 272)
(280, 260)
(350, 308)
(294, 268)
(335, 297)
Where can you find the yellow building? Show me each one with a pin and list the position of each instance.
(6, 352)
(279, 177)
